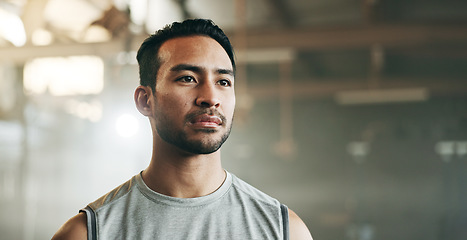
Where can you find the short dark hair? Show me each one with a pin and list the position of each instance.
(148, 59)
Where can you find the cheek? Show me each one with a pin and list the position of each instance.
(176, 104)
(231, 106)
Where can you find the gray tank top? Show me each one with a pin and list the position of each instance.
(234, 211)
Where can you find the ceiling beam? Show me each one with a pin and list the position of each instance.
(328, 88)
(357, 36)
(298, 39)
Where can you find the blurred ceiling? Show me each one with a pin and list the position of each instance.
(331, 45)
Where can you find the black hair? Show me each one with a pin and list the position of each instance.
(148, 59)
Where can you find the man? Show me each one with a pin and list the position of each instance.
(187, 74)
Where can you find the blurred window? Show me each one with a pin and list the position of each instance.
(64, 76)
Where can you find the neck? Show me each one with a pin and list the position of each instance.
(179, 174)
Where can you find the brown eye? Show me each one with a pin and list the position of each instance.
(186, 79)
(225, 83)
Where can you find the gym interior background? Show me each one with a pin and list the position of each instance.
(351, 112)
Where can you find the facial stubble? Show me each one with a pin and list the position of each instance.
(179, 137)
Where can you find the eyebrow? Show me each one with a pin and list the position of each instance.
(197, 69)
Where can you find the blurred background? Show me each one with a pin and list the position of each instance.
(351, 112)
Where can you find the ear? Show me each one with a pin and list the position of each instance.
(143, 100)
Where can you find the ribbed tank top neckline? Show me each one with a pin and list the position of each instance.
(184, 202)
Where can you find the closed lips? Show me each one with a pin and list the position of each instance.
(207, 118)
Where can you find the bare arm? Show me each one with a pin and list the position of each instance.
(298, 229)
(73, 229)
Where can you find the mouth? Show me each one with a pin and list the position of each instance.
(206, 120)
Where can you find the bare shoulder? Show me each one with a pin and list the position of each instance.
(298, 229)
(75, 228)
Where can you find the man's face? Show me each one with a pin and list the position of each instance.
(194, 95)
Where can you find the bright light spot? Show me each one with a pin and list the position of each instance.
(358, 150)
(462, 148)
(126, 125)
(139, 10)
(445, 149)
(73, 16)
(64, 76)
(162, 12)
(41, 37)
(12, 28)
(96, 34)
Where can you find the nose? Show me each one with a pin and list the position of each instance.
(208, 96)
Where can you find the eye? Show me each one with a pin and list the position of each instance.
(225, 83)
(186, 79)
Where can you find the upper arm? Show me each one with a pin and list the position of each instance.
(298, 229)
(74, 229)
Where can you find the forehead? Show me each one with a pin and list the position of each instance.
(198, 50)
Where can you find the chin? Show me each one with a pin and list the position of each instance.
(204, 146)
(201, 149)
